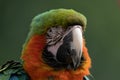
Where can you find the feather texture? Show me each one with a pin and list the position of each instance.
(38, 70)
(12, 70)
(56, 17)
(36, 41)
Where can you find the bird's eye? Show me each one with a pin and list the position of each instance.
(69, 27)
(50, 30)
(54, 34)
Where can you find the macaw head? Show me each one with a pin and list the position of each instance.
(56, 42)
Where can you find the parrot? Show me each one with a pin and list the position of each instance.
(55, 49)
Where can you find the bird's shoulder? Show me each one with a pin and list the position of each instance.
(12, 70)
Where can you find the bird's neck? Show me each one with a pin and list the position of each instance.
(38, 70)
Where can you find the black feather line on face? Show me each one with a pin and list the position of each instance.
(54, 35)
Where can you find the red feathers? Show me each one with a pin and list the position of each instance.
(35, 67)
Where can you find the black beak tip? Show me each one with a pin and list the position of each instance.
(75, 67)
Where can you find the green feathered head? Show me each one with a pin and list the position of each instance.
(57, 17)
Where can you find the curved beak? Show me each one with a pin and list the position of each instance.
(76, 46)
(75, 39)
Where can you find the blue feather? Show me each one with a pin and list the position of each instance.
(13, 78)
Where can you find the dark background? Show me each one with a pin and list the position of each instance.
(102, 33)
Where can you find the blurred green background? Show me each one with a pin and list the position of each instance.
(102, 33)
